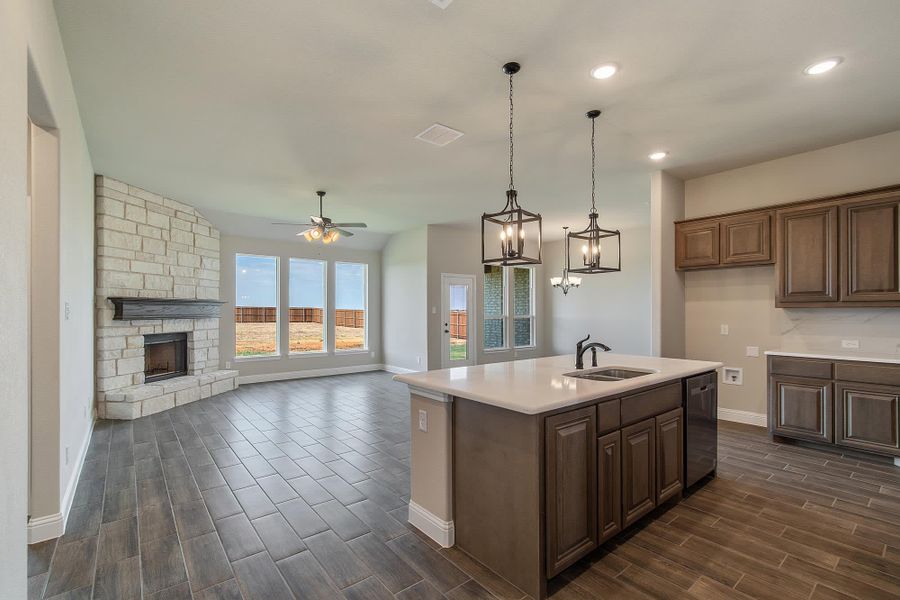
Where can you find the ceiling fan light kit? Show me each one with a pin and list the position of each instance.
(324, 229)
(511, 236)
(566, 282)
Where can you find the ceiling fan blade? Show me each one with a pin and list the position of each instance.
(349, 224)
(343, 232)
(294, 224)
(316, 220)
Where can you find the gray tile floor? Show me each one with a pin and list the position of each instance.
(277, 490)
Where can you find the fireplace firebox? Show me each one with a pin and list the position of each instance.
(165, 356)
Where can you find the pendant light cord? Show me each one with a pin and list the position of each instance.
(511, 186)
(593, 166)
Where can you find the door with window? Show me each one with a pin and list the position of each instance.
(457, 320)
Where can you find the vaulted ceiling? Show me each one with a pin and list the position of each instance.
(244, 109)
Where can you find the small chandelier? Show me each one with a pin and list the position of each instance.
(595, 242)
(565, 282)
(506, 230)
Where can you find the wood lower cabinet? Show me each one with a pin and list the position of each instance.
(696, 244)
(746, 239)
(638, 470)
(669, 455)
(801, 408)
(609, 485)
(867, 417)
(870, 250)
(571, 487)
(807, 254)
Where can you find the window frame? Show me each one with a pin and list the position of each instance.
(325, 320)
(268, 356)
(365, 348)
(503, 316)
(532, 314)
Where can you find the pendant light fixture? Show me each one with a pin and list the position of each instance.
(513, 235)
(601, 249)
(566, 282)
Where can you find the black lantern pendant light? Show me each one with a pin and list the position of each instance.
(601, 249)
(513, 235)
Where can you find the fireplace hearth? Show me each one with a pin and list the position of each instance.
(165, 356)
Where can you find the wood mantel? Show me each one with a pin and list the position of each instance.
(130, 308)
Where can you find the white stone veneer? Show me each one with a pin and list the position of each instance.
(153, 247)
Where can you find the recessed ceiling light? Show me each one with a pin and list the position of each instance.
(604, 71)
(657, 155)
(823, 66)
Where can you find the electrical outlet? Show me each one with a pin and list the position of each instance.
(227, 364)
(850, 344)
(753, 351)
(733, 376)
(423, 420)
(68, 311)
(723, 329)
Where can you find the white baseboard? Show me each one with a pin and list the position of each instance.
(399, 370)
(48, 527)
(443, 532)
(41, 529)
(283, 376)
(743, 416)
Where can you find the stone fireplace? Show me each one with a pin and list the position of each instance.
(157, 290)
(165, 356)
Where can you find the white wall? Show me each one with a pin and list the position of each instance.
(615, 308)
(404, 267)
(288, 366)
(457, 250)
(666, 207)
(14, 298)
(744, 298)
(51, 96)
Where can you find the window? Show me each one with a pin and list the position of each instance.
(523, 307)
(350, 306)
(255, 306)
(307, 305)
(494, 308)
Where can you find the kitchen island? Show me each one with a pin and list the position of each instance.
(528, 466)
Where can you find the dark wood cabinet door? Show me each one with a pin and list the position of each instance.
(669, 455)
(747, 239)
(867, 417)
(638, 470)
(807, 255)
(870, 250)
(696, 244)
(571, 487)
(609, 485)
(801, 408)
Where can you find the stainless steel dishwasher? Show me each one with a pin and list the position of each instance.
(701, 440)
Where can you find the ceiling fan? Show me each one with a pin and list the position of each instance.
(322, 228)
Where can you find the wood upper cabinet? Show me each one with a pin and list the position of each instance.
(870, 250)
(571, 486)
(669, 455)
(867, 417)
(807, 254)
(746, 239)
(638, 470)
(801, 408)
(609, 485)
(696, 244)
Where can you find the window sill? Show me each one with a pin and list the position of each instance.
(532, 347)
(490, 350)
(255, 358)
(308, 354)
(348, 352)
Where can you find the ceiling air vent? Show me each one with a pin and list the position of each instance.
(439, 135)
(442, 4)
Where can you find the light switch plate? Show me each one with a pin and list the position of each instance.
(753, 351)
(723, 329)
(423, 420)
(850, 344)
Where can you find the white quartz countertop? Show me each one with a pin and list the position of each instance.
(539, 385)
(879, 357)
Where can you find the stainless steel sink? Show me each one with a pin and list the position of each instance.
(610, 373)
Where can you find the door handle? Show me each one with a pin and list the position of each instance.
(446, 331)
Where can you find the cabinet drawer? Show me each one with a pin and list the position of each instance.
(867, 373)
(608, 416)
(800, 367)
(651, 402)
